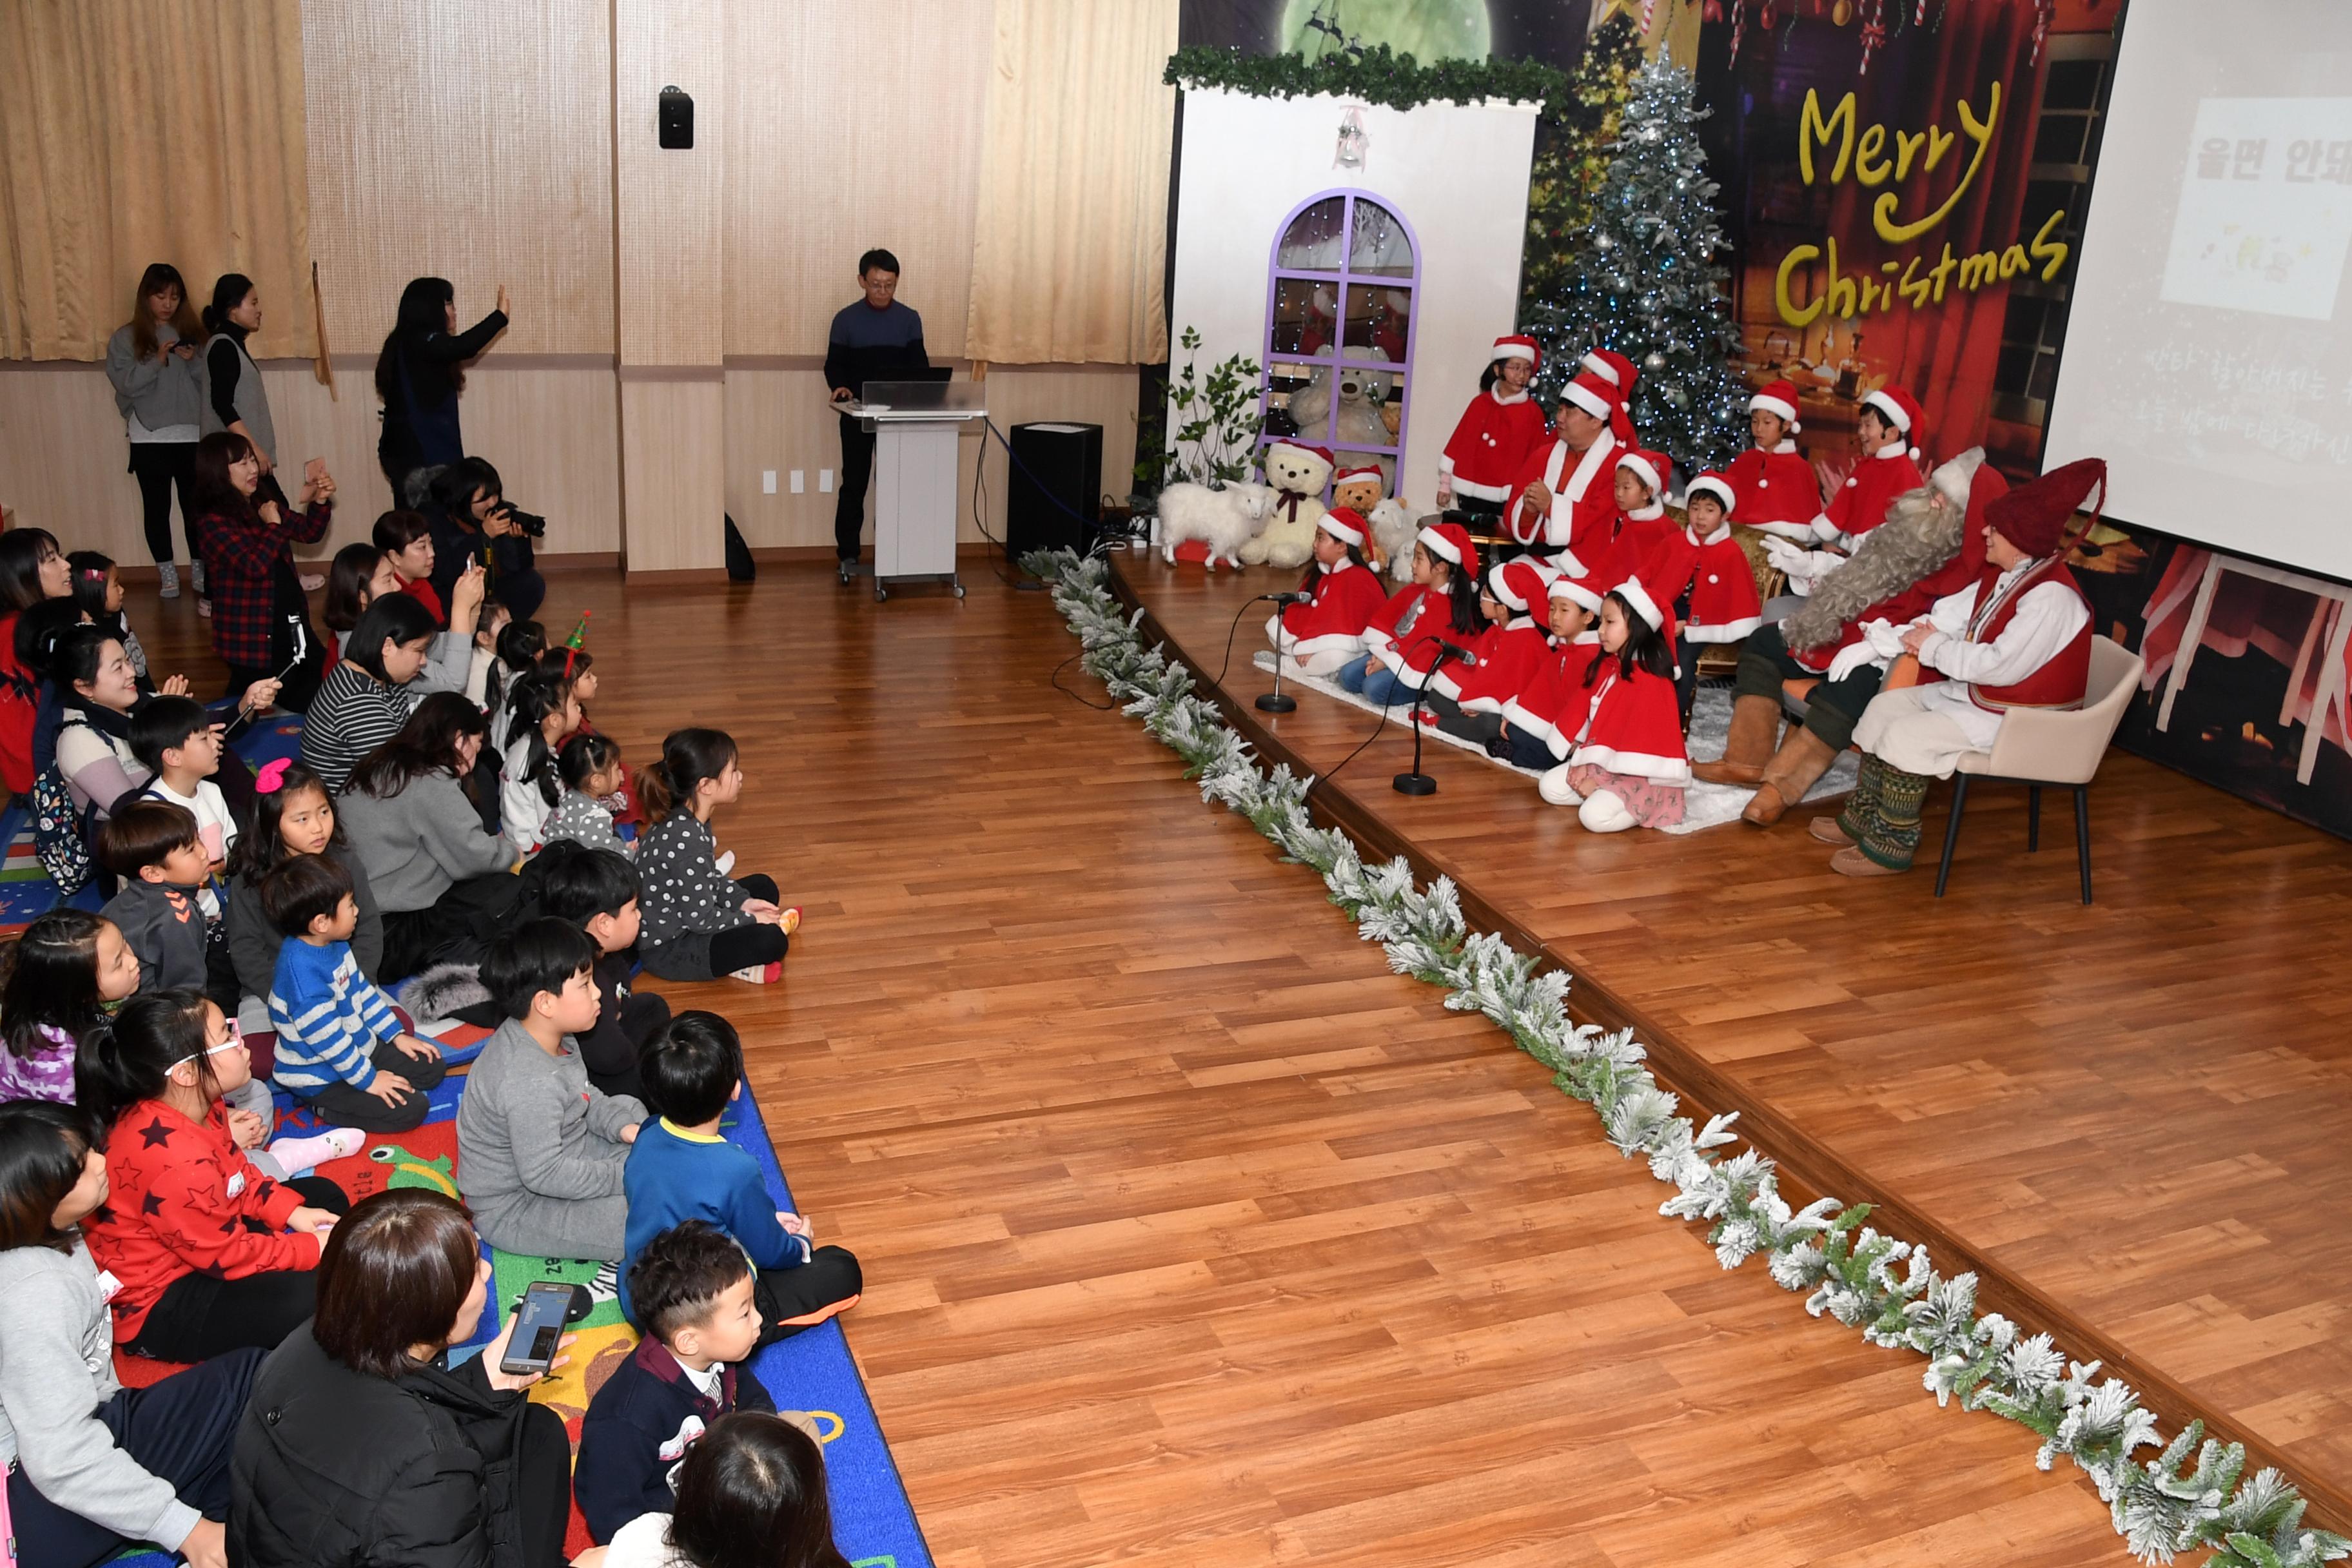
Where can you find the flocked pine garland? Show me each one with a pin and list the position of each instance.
(2192, 1495)
(1378, 76)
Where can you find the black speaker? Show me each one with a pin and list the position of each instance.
(1054, 498)
(675, 119)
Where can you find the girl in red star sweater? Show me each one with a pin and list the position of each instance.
(210, 1255)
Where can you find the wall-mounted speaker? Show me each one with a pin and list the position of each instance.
(675, 119)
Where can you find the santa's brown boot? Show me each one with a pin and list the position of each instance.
(1799, 765)
(1755, 726)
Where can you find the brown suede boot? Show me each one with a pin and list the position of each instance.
(1755, 728)
(1799, 765)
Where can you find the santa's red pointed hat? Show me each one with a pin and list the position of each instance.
(1592, 394)
(2034, 516)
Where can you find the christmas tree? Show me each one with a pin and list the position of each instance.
(1571, 156)
(1646, 282)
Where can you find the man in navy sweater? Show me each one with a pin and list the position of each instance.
(874, 340)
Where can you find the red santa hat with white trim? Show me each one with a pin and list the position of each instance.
(1712, 484)
(1619, 373)
(1902, 410)
(1637, 595)
(1451, 542)
(1563, 586)
(1778, 397)
(1356, 471)
(1518, 346)
(1592, 394)
(1517, 584)
(1652, 468)
(1343, 523)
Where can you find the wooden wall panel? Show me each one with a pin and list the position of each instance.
(666, 203)
(777, 418)
(469, 142)
(672, 436)
(849, 128)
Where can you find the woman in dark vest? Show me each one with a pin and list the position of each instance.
(419, 374)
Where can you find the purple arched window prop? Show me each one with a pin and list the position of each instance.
(1342, 286)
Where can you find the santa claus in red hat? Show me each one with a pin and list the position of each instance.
(1497, 435)
(1566, 498)
(1776, 489)
(2018, 636)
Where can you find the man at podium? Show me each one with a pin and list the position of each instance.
(876, 338)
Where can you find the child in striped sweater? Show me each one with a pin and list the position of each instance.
(341, 1047)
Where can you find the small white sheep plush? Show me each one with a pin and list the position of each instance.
(1223, 519)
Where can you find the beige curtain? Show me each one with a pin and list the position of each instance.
(1069, 251)
(141, 131)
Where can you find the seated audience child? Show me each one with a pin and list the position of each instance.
(364, 1444)
(439, 876)
(1323, 634)
(154, 847)
(97, 590)
(750, 1491)
(518, 644)
(341, 1049)
(63, 976)
(681, 1170)
(1512, 659)
(1776, 488)
(365, 699)
(540, 711)
(291, 815)
(92, 1466)
(540, 1148)
(359, 576)
(211, 1252)
(406, 540)
(490, 622)
(590, 767)
(175, 740)
(699, 924)
(1555, 694)
(596, 890)
(1641, 521)
(1627, 768)
(1442, 600)
(694, 1291)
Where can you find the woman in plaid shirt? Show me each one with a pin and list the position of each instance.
(261, 620)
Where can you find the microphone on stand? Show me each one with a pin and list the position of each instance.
(1416, 781)
(1275, 701)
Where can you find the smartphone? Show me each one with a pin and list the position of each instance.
(538, 1327)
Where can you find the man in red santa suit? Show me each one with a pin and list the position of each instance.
(1885, 430)
(1501, 430)
(2019, 636)
(1776, 489)
(1567, 496)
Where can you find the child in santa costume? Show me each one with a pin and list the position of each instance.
(2018, 636)
(1509, 660)
(1401, 643)
(1449, 678)
(1565, 509)
(1643, 524)
(1619, 373)
(1886, 431)
(1322, 635)
(1503, 427)
(1628, 768)
(1531, 719)
(1776, 487)
(1698, 571)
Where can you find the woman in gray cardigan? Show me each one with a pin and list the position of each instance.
(160, 390)
(442, 882)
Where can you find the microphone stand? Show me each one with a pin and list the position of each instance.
(1416, 781)
(1275, 701)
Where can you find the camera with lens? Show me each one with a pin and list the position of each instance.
(530, 522)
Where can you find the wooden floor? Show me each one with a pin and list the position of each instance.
(1195, 1237)
(2136, 1116)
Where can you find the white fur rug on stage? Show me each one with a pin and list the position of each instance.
(1704, 805)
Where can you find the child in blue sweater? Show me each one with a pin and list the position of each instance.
(340, 1045)
(680, 1169)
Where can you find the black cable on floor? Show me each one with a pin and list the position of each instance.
(1073, 695)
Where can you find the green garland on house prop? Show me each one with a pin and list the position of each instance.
(1379, 77)
(2193, 1496)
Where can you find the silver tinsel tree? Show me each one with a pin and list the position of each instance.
(1647, 283)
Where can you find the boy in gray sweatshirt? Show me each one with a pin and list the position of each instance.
(540, 1149)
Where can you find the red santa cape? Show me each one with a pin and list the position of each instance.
(1639, 535)
(1512, 661)
(1715, 572)
(1634, 726)
(1777, 491)
(1583, 516)
(1555, 693)
(1450, 676)
(1495, 438)
(1347, 597)
(1403, 635)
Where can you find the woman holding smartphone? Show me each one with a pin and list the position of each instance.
(261, 619)
(361, 1444)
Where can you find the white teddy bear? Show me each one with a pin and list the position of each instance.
(1298, 473)
(1223, 519)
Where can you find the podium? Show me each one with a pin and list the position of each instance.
(915, 426)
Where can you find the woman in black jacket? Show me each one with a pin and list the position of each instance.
(419, 373)
(358, 1447)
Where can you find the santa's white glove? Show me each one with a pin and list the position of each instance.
(1853, 658)
(1885, 638)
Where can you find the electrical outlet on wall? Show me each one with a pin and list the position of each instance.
(800, 480)
(824, 481)
(767, 481)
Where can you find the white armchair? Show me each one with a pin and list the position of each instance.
(2039, 746)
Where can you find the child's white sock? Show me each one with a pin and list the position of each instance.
(759, 974)
(302, 1153)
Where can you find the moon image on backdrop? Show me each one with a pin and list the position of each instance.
(1425, 29)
